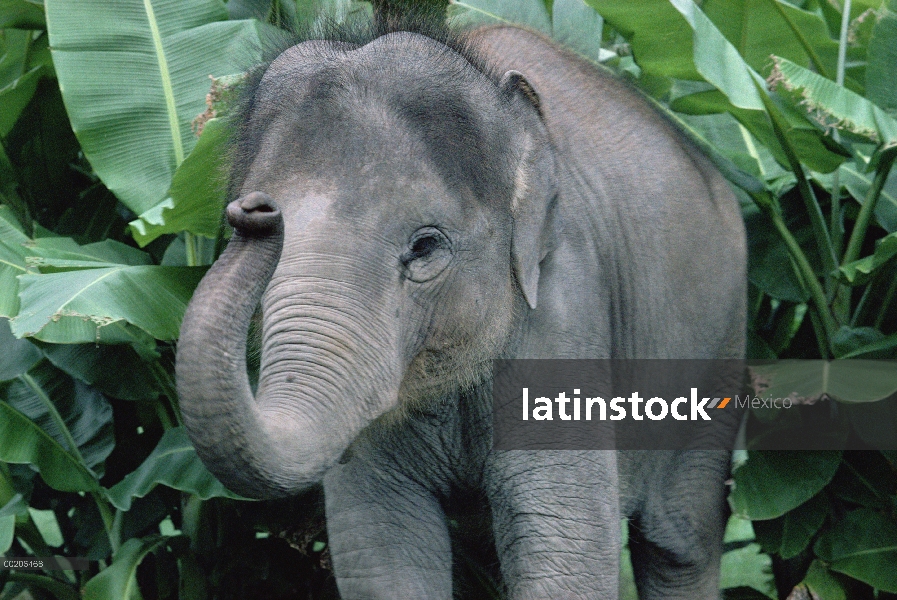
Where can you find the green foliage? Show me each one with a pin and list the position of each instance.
(89, 425)
(194, 202)
(881, 79)
(24, 442)
(172, 463)
(862, 545)
(774, 483)
(119, 581)
(140, 70)
(846, 380)
(101, 154)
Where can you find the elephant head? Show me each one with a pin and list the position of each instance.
(391, 217)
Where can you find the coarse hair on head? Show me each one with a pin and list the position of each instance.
(431, 23)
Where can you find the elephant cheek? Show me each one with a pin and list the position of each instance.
(470, 327)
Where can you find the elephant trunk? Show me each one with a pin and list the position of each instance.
(256, 446)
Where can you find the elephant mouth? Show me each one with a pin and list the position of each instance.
(436, 373)
(463, 365)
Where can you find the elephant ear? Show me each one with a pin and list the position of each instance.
(534, 185)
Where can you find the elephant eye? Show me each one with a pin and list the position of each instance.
(428, 253)
(424, 246)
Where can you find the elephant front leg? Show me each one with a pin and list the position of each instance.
(677, 538)
(557, 523)
(387, 534)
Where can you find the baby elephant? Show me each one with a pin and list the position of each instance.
(409, 209)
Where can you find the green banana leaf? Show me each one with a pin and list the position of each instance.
(747, 567)
(833, 106)
(66, 254)
(15, 96)
(23, 442)
(7, 532)
(173, 463)
(881, 73)
(758, 28)
(791, 533)
(134, 74)
(571, 22)
(116, 371)
(196, 197)
(814, 149)
(104, 292)
(12, 261)
(79, 306)
(76, 418)
(845, 380)
(719, 62)
(882, 346)
(822, 584)
(771, 483)
(734, 140)
(14, 49)
(579, 27)
(863, 545)
(660, 38)
(14, 509)
(119, 581)
(680, 24)
(860, 271)
(662, 35)
(848, 340)
(21, 14)
(73, 414)
(18, 356)
(532, 13)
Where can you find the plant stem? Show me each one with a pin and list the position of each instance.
(889, 296)
(820, 339)
(817, 221)
(116, 526)
(803, 270)
(108, 520)
(803, 41)
(861, 305)
(758, 304)
(818, 328)
(858, 235)
(163, 415)
(26, 56)
(836, 227)
(842, 42)
(190, 245)
(168, 388)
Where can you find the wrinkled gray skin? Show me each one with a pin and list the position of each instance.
(425, 219)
